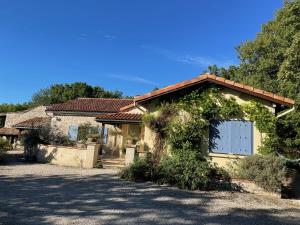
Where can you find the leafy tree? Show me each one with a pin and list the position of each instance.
(272, 62)
(59, 93)
(13, 107)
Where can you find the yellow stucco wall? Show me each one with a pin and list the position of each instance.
(69, 156)
(220, 159)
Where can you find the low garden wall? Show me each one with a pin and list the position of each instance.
(69, 156)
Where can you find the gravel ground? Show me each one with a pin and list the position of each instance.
(46, 194)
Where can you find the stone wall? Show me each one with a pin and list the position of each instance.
(62, 123)
(17, 117)
(69, 156)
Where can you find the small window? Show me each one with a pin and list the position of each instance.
(73, 132)
(231, 137)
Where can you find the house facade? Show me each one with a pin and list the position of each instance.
(16, 122)
(236, 138)
(69, 116)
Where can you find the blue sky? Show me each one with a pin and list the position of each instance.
(132, 46)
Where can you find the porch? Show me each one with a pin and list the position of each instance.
(127, 131)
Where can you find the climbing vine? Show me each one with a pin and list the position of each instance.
(183, 125)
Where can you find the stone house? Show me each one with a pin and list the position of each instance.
(237, 138)
(16, 122)
(67, 117)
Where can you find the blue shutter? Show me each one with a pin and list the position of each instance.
(105, 134)
(220, 134)
(233, 137)
(73, 132)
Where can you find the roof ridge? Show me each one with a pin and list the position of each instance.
(218, 80)
(105, 98)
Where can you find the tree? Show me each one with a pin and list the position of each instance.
(272, 62)
(59, 93)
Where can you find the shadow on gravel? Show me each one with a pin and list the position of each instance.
(104, 198)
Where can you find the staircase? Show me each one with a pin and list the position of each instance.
(113, 163)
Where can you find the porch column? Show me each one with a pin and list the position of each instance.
(101, 138)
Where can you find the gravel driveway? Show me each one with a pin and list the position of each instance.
(45, 194)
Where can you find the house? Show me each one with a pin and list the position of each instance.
(13, 121)
(236, 138)
(67, 117)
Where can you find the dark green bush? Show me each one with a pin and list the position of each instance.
(267, 171)
(4, 146)
(140, 169)
(183, 172)
(189, 173)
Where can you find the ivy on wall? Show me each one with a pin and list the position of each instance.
(183, 125)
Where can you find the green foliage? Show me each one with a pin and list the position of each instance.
(86, 131)
(186, 173)
(45, 135)
(4, 146)
(189, 131)
(59, 93)
(265, 121)
(188, 137)
(160, 124)
(140, 169)
(14, 107)
(272, 62)
(266, 171)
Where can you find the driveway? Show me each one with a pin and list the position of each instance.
(45, 194)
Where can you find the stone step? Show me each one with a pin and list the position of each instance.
(108, 166)
(113, 161)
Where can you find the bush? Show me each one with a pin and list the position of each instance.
(190, 173)
(183, 172)
(266, 171)
(45, 135)
(4, 146)
(140, 169)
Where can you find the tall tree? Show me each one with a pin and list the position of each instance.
(272, 62)
(59, 93)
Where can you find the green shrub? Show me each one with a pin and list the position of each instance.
(189, 173)
(140, 169)
(183, 172)
(4, 146)
(267, 171)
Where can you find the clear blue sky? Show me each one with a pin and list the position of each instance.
(132, 46)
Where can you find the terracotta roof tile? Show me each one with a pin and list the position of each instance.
(98, 105)
(115, 117)
(34, 122)
(221, 81)
(9, 131)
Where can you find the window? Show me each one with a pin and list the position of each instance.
(73, 132)
(231, 137)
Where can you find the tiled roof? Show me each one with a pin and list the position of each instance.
(9, 131)
(120, 117)
(100, 105)
(34, 122)
(220, 81)
(128, 107)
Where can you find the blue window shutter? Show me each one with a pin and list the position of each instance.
(247, 140)
(105, 134)
(220, 134)
(233, 136)
(73, 132)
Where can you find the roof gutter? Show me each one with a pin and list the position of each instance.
(286, 112)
